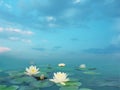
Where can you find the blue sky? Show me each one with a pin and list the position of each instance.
(59, 28)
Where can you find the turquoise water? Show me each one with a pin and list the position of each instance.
(100, 74)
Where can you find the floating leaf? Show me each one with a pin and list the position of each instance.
(73, 83)
(85, 89)
(15, 73)
(70, 83)
(27, 88)
(81, 69)
(41, 84)
(21, 80)
(74, 79)
(4, 87)
(91, 68)
(109, 83)
(69, 88)
(91, 73)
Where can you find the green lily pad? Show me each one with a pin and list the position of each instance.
(74, 79)
(81, 69)
(15, 73)
(27, 88)
(84, 69)
(4, 87)
(42, 84)
(70, 83)
(21, 80)
(92, 68)
(69, 88)
(91, 73)
(115, 83)
(73, 83)
(85, 89)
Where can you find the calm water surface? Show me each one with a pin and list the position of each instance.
(107, 79)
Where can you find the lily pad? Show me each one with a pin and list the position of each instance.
(70, 83)
(81, 69)
(15, 73)
(27, 88)
(74, 79)
(91, 68)
(91, 73)
(23, 80)
(69, 88)
(109, 83)
(85, 89)
(4, 87)
(42, 84)
(73, 83)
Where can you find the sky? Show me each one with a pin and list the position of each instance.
(57, 29)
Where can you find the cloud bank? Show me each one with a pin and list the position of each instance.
(4, 49)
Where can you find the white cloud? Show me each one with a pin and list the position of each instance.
(1, 29)
(26, 40)
(51, 21)
(28, 32)
(50, 18)
(52, 25)
(16, 30)
(71, 12)
(1, 2)
(80, 1)
(13, 30)
(76, 1)
(4, 49)
(8, 6)
(14, 38)
(19, 39)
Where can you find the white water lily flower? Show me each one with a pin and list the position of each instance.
(60, 77)
(82, 66)
(61, 65)
(32, 70)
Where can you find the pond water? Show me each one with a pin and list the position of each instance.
(96, 76)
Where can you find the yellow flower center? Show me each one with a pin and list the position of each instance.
(33, 70)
